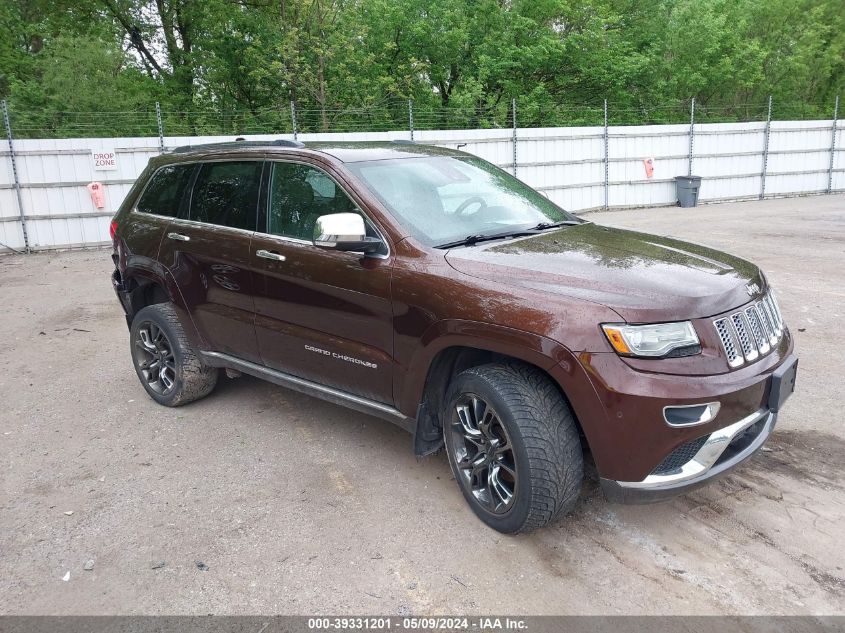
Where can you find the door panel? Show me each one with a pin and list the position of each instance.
(161, 200)
(320, 314)
(212, 272)
(210, 259)
(325, 316)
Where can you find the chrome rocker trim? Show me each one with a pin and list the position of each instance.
(698, 470)
(308, 387)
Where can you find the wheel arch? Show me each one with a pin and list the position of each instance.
(459, 346)
(143, 291)
(145, 287)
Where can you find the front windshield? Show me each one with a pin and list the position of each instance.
(442, 199)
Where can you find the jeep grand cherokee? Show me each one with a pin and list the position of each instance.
(432, 289)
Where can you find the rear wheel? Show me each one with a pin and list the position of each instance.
(169, 369)
(513, 446)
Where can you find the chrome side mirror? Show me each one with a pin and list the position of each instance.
(345, 232)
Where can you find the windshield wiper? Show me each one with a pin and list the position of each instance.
(469, 240)
(551, 225)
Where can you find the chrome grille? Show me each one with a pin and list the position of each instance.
(751, 332)
(773, 306)
(757, 330)
(725, 334)
(768, 326)
(749, 349)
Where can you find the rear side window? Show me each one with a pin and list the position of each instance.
(164, 193)
(226, 194)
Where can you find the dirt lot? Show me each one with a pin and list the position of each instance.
(293, 505)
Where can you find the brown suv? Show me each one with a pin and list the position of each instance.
(427, 287)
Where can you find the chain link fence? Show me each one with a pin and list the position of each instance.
(389, 115)
(582, 157)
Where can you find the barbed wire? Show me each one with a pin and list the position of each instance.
(385, 116)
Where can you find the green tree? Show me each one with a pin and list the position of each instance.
(234, 66)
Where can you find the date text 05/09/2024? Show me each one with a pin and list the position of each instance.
(411, 623)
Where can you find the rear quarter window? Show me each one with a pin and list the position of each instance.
(164, 193)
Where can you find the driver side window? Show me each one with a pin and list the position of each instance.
(299, 194)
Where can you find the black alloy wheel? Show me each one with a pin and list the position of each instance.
(483, 454)
(171, 371)
(154, 358)
(513, 445)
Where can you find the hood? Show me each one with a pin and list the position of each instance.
(644, 278)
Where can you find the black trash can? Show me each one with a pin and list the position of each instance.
(687, 188)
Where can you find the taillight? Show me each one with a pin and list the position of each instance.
(113, 229)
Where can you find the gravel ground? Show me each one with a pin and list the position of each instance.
(260, 500)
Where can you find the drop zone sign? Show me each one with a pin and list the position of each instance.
(104, 160)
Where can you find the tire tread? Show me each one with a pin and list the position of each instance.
(197, 378)
(549, 433)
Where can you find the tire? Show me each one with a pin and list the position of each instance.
(522, 409)
(168, 367)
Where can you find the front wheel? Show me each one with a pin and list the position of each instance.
(513, 446)
(169, 369)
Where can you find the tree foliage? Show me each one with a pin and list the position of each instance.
(235, 65)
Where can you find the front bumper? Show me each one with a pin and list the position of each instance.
(724, 449)
(715, 453)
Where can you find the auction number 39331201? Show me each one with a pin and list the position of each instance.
(417, 623)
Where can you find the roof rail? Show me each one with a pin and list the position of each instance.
(284, 142)
(279, 142)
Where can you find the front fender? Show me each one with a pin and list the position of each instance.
(530, 348)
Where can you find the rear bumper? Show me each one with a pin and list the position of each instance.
(721, 451)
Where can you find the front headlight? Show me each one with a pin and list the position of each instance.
(657, 340)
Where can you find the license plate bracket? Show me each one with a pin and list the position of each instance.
(783, 383)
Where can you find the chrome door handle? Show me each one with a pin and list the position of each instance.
(179, 236)
(270, 255)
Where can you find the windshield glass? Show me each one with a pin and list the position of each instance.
(441, 199)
